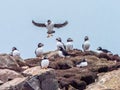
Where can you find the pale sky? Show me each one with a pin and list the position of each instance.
(98, 19)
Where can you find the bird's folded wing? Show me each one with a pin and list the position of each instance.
(38, 24)
(61, 25)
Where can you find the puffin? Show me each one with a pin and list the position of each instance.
(62, 53)
(49, 25)
(69, 44)
(60, 43)
(83, 63)
(15, 52)
(39, 50)
(101, 50)
(86, 44)
(45, 62)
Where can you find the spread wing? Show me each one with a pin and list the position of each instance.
(38, 24)
(61, 25)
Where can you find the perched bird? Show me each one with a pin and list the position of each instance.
(39, 50)
(69, 44)
(50, 26)
(86, 44)
(62, 53)
(83, 63)
(45, 63)
(101, 50)
(15, 52)
(60, 43)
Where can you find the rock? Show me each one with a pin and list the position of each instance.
(6, 75)
(108, 81)
(35, 70)
(9, 62)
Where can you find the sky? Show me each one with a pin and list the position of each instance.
(97, 19)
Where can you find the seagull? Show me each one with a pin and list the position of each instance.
(100, 49)
(60, 43)
(15, 52)
(83, 63)
(86, 44)
(69, 44)
(39, 50)
(45, 63)
(50, 26)
(62, 53)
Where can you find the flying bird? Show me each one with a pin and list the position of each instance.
(50, 26)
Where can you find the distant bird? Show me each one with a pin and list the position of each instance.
(69, 44)
(39, 50)
(62, 53)
(83, 63)
(15, 52)
(45, 63)
(50, 26)
(101, 50)
(60, 43)
(86, 44)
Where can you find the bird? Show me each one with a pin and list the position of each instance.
(83, 63)
(101, 50)
(45, 62)
(60, 43)
(69, 44)
(39, 50)
(62, 53)
(50, 26)
(86, 44)
(15, 52)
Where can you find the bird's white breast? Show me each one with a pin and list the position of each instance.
(60, 54)
(16, 53)
(50, 26)
(59, 44)
(82, 64)
(69, 46)
(39, 51)
(44, 63)
(86, 45)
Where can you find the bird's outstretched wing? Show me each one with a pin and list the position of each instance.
(38, 24)
(61, 25)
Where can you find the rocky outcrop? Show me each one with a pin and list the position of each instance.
(62, 72)
(107, 81)
(7, 75)
(41, 81)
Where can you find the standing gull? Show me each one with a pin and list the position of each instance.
(50, 26)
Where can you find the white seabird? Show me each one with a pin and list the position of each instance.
(15, 52)
(69, 44)
(50, 26)
(45, 63)
(83, 63)
(39, 50)
(86, 44)
(59, 43)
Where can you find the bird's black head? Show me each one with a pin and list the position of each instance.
(48, 21)
(14, 48)
(86, 38)
(59, 39)
(40, 44)
(69, 40)
(99, 48)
